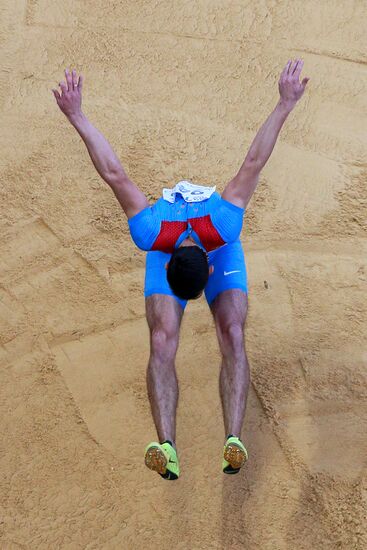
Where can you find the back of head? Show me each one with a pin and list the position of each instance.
(188, 272)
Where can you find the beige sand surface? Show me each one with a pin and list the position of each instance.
(179, 88)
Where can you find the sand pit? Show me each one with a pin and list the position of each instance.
(179, 89)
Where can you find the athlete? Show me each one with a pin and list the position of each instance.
(192, 238)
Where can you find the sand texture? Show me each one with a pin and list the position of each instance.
(179, 88)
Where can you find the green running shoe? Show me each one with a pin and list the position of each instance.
(234, 455)
(162, 458)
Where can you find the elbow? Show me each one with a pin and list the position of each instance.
(252, 161)
(252, 165)
(115, 177)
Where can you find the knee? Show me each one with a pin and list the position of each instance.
(163, 343)
(232, 339)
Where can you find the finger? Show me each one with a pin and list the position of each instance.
(74, 78)
(298, 69)
(294, 68)
(289, 66)
(80, 82)
(304, 81)
(68, 80)
(63, 87)
(285, 70)
(56, 94)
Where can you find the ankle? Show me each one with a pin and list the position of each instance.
(233, 435)
(170, 441)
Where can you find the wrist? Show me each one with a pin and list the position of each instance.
(76, 118)
(285, 106)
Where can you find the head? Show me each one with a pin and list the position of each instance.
(188, 272)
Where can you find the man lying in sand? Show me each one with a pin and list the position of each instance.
(192, 235)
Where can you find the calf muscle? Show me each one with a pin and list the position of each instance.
(164, 317)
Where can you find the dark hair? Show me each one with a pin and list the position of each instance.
(188, 271)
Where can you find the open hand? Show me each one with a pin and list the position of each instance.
(290, 88)
(70, 98)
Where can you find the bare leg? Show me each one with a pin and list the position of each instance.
(234, 383)
(229, 310)
(164, 315)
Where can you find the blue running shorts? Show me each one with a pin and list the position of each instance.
(229, 272)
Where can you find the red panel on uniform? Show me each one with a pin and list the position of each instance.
(168, 235)
(208, 235)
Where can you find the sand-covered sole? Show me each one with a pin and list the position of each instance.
(155, 460)
(235, 455)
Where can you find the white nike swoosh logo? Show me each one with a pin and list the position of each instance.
(229, 272)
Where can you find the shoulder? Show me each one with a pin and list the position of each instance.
(161, 206)
(232, 205)
(227, 203)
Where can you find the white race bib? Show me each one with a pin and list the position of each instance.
(189, 191)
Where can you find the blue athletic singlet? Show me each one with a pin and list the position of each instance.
(163, 226)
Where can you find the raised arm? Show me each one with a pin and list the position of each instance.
(131, 198)
(240, 189)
